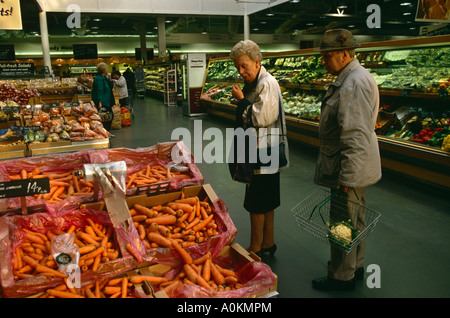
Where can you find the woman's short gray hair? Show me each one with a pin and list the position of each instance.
(102, 68)
(246, 47)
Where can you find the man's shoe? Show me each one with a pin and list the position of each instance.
(359, 273)
(327, 283)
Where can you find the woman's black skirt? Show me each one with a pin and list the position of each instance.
(262, 195)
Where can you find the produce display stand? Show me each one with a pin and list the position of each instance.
(421, 162)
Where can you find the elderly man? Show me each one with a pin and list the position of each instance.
(349, 157)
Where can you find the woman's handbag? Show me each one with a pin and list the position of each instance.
(240, 166)
(241, 169)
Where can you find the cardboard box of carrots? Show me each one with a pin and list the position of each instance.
(195, 218)
(233, 273)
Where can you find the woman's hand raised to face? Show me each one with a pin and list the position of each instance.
(237, 92)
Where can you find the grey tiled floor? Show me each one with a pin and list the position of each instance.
(410, 243)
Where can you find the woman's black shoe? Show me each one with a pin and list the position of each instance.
(271, 250)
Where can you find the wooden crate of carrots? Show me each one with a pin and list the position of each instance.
(205, 276)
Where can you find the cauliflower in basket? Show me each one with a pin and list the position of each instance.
(342, 231)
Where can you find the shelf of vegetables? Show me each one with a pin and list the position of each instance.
(30, 130)
(413, 77)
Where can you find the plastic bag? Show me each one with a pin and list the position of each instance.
(65, 252)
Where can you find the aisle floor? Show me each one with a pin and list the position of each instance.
(409, 245)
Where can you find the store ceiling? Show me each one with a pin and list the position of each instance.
(292, 17)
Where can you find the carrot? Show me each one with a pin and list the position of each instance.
(141, 231)
(59, 183)
(144, 210)
(95, 228)
(183, 253)
(50, 194)
(88, 238)
(202, 224)
(139, 218)
(206, 271)
(34, 238)
(23, 174)
(15, 177)
(181, 206)
(217, 276)
(162, 220)
(46, 269)
(159, 239)
(169, 288)
(62, 294)
(58, 192)
(225, 271)
(137, 279)
(194, 222)
(36, 171)
(133, 252)
(194, 277)
(111, 290)
(164, 231)
(131, 180)
(92, 254)
(96, 264)
(124, 287)
(231, 280)
(76, 185)
(87, 248)
(85, 183)
(190, 200)
(202, 259)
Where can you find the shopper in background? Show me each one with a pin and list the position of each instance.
(121, 87)
(131, 82)
(102, 94)
(349, 157)
(139, 74)
(258, 106)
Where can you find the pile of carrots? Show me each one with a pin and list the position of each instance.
(106, 288)
(201, 271)
(152, 174)
(34, 255)
(63, 183)
(187, 221)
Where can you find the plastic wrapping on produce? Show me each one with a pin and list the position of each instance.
(255, 276)
(12, 235)
(227, 233)
(46, 164)
(159, 154)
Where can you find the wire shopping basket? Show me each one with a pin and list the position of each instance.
(335, 220)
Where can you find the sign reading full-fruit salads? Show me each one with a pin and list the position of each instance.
(10, 16)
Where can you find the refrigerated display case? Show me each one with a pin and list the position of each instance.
(413, 76)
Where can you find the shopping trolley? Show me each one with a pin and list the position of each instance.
(324, 211)
(140, 88)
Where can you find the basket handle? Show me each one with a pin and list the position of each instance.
(323, 202)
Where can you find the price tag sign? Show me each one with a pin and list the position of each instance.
(23, 188)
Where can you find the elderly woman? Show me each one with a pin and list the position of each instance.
(102, 94)
(260, 106)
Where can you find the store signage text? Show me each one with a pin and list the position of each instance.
(10, 16)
